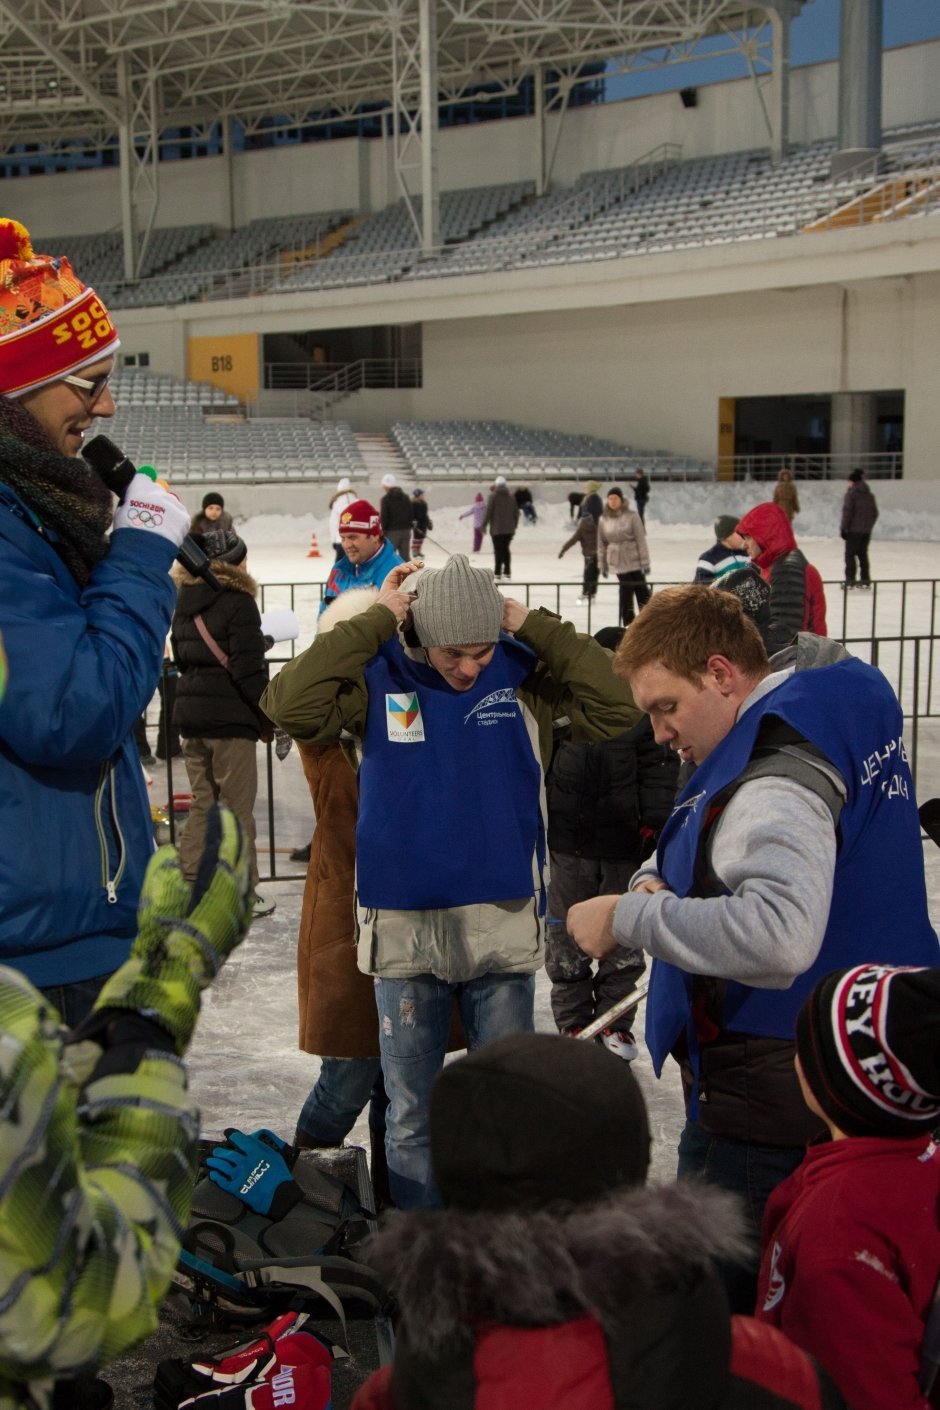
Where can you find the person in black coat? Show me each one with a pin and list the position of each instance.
(396, 512)
(607, 801)
(218, 645)
(421, 523)
(641, 492)
(859, 516)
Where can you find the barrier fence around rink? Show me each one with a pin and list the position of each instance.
(892, 625)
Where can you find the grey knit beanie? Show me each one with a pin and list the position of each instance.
(456, 605)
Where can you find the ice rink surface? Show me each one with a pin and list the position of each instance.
(245, 1067)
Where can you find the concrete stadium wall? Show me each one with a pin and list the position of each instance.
(650, 375)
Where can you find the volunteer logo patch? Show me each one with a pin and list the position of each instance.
(403, 716)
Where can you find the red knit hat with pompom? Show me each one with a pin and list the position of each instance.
(51, 324)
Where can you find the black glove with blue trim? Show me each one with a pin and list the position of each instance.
(251, 1166)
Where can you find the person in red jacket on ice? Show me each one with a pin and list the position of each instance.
(797, 596)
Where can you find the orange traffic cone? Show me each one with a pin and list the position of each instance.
(314, 550)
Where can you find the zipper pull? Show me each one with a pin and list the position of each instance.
(112, 893)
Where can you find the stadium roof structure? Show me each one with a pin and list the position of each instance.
(77, 70)
(80, 73)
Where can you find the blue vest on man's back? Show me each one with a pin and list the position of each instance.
(879, 901)
(449, 786)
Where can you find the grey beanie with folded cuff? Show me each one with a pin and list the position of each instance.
(457, 605)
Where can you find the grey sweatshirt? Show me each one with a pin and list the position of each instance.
(774, 847)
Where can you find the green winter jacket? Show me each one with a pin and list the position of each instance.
(97, 1152)
(322, 694)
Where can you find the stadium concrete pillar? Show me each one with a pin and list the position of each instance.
(852, 427)
(139, 151)
(860, 56)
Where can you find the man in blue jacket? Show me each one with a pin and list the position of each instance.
(793, 850)
(84, 614)
(368, 557)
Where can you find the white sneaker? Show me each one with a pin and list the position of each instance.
(262, 907)
(621, 1043)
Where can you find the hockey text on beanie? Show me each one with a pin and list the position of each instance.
(868, 1041)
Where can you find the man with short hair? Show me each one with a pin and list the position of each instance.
(794, 849)
(726, 555)
(367, 558)
(450, 692)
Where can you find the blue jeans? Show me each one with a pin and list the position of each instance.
(75, 1001)
(748, 1170)
(414, 1023)
(341, 1091)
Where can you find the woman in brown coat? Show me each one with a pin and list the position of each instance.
(622, 549)
(338, 1019)
(786, 496)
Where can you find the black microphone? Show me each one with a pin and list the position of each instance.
(117, 471)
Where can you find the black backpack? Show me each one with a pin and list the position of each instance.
(239, 1267)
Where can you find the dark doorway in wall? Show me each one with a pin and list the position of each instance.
(381, 355)
(806, 426)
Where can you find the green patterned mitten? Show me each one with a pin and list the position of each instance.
(185, 932)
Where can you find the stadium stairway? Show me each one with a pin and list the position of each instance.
(381, 457)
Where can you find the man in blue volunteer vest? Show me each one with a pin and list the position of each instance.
(793, 850)
(367, 556)
(450, 691)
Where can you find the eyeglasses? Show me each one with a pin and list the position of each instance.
(93, 390)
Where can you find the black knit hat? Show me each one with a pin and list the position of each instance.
(753, 593)
(213, 497)
(531, 1120)
(609, 637)
(868, 1041)
(726, 525)
(857, 475)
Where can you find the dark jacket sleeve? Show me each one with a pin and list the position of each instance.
(787, 600)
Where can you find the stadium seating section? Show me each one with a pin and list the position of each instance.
(660, 203)
(198, 434)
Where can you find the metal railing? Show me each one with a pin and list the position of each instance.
(878, 465)
(340, 378)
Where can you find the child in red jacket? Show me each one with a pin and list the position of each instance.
(851, 1239)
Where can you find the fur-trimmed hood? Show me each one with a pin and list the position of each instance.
(232, 577)
(451, 1270)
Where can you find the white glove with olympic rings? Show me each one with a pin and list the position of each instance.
(150, 506)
